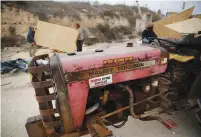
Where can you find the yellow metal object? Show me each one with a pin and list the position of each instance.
(30, 76)
(97, 128)
(104, 98)
(101, 131)
(180, 58)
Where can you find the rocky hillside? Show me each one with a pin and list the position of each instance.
(104, 22)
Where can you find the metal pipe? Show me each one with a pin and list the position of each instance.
(130, 92)
(92, 109)
(139, 10)
(122, 109)
(154, 86)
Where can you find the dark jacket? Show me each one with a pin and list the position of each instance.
(30, 36)
(147, 34)
(191, 41)
(196, 88)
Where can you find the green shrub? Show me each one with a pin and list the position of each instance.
(125, 30)
(103, 28)
(42, 16)
(107, 33)
(155, 17)
(91, 41)
(12, 30)
(131, 21)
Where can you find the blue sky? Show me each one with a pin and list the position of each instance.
(174, 6)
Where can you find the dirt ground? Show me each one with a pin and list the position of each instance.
(18, 103)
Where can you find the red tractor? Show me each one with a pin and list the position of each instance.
(94, 89)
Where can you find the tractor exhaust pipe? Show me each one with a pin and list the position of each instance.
(130, 92)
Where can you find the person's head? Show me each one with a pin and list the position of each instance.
(150, 26)
(32, 28)
(77, 25)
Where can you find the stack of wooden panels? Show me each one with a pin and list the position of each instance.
(164, 32)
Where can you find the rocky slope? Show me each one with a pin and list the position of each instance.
(105, 22)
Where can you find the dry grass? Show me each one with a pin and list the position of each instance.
(44, 9)
(12, 30)
(156, 17)
(106, 33)
(11, 41)
(91, 41)
(42, 16)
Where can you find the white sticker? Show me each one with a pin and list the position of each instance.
(100, 81)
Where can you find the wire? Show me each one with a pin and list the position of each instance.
(117, 126)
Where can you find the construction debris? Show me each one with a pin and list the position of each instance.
(13, 65)
(164, 32)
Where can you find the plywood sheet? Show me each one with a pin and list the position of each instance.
(171, 13)
(163, 32)
(192, 25)
(56, 37)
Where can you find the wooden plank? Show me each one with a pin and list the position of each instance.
(163, 32)
(56, 37)
(192, 25)
(171, 13)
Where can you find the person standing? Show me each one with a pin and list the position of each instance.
(80, 37)
(147, 33)
(31, 42)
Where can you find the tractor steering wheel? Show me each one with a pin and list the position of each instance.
(173, 44)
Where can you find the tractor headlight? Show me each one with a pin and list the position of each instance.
(164, 60)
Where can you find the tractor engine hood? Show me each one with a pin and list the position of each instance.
(120, 61)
